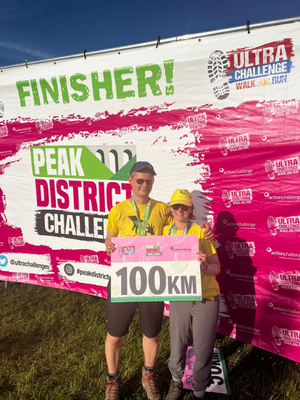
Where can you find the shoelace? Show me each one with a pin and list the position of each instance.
(112, 386)
(152, 380)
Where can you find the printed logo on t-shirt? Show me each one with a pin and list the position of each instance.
(135, 227)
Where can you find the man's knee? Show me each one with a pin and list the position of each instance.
(113, 340)
(152, 340)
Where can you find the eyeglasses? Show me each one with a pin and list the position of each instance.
(182, 206)
(149, 182)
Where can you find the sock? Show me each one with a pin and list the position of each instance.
(200, 394)
(149, 369)
(112, 377)
(175, 379)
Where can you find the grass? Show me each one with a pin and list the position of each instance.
(52, 347)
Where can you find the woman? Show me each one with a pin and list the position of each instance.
(193, 317)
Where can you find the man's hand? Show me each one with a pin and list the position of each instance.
(110, 247)
(208, 233)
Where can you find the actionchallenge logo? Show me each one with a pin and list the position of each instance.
(268, 64)
(241, 277)
(284, 311)
(236, 172)
(284, 254)
(243, 328)
(76, 186)
(238, 225)
(282, 198)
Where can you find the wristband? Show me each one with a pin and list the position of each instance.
(204, 267)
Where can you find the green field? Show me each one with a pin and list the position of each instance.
(52, 347)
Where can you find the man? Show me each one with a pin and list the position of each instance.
(138, 216)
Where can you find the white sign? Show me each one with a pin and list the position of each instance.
(156, 268)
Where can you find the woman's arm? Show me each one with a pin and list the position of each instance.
(210, 265)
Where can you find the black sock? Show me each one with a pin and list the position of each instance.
(149, 369)
(112, 377)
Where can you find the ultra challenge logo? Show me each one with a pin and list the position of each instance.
(268, 64)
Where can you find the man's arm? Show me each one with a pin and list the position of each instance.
(110, 247)
(208, 233)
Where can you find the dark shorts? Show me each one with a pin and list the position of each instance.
(119, 316)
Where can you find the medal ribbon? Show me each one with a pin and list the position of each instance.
(175, 230)
(142, 226)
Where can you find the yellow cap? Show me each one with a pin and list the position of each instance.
(182, 196)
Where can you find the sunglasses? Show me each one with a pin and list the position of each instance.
(182, 206)
(149, 182)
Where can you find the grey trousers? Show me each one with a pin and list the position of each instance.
(197, 320)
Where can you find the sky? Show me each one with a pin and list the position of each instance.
(35, 30)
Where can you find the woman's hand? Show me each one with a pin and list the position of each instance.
(210, 265)
(202, 260)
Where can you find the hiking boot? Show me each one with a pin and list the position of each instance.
(113, 388)
(175, 390)
(201, 395)
(149, 382)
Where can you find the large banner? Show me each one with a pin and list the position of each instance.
(217, 115)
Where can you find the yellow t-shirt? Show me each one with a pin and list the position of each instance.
(210, 286)
(122, 218)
